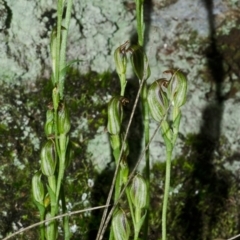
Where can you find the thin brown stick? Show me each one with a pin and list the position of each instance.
(234, 237)
(54, 218)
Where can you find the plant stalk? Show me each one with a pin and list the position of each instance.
(145, 110)
(166, 193)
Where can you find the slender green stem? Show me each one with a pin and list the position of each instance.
(176, 116)
(42, 228)
(140, 22)
(58, 151)
(140, 30)
(52, 183)
(116, 146)
(52, 225)
(59, 27)
(137, 226)
(117, 187)
(123, 83)
(67, 233)
(145, 110)
(147, 166)
(62, 59)
(60, 175)
(166, 193)
(170, 137)
(130, 205)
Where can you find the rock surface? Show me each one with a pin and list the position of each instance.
(178, 34)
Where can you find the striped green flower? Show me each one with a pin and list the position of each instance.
(48, 161)
(139, 62)
(138, 192)
(49, 127)
(157, 99)
(120, 225)
(177, 88)
(37, 188)
(63, 120)
(115, 115)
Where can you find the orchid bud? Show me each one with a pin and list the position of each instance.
(157, 99)
(115, 115)
(138, 192)
(121, 65)
(120, 225)
(139, 62)
(49, 127)
(63, 120)
(121, 58)
(48, 161)
(177, 88)
(37, 188)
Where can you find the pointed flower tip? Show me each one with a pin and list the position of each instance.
(177, 88)
(63, 121)
(157, 99)
(115, 115)
(140, 62)
(120, 58)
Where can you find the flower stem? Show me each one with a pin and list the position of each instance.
(147, 166)
(166, 193)
(140, 22)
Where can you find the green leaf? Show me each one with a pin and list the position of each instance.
(67, 66)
